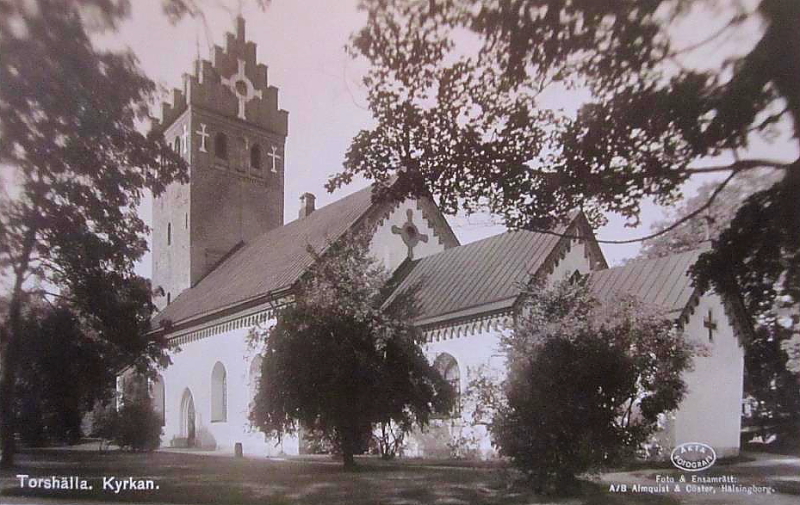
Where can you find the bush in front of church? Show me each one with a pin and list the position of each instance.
(136, 426)
(586, 384)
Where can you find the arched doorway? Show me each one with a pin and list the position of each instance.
(188, 416)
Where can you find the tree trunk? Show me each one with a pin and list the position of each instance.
(9, 364)
(9, 343)
(348, 447)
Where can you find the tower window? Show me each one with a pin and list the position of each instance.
(169, 298)
(186, 220)
(169, 233)
(177, 145)
(255, 157)
(221, 146)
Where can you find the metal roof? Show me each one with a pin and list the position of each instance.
(475, 277)
(664, 282)
(272, 262)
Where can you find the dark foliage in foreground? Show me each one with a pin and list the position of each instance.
(586, 385)
(78, 166)
(135, 426)
(66, 371)
(336, 362)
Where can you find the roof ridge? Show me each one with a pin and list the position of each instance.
(639, 261)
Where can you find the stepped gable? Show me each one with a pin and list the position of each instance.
(232, 84)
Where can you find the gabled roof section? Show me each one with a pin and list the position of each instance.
(272, 262)
(482, 277)
(663, 283)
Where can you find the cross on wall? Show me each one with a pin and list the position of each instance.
(711, 324)
(275, 157)
(203, 136)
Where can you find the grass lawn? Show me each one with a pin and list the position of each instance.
(192, 478)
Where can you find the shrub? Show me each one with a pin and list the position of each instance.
(104, 418)
(389, 438)
(559, 420)
(586, 384)
(136, 426)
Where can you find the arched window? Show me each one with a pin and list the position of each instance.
(254, 377)
(177, 145)
(448, 367)
(221, 146)
(255, 157)
(159, 403)
(169, 298)
(219, 394)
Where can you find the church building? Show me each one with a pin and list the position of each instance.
(226, 262)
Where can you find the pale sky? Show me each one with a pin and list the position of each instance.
(302, 43)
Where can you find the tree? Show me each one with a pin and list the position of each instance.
(66, 371)
(77, 167)
(457, 88)
(338, 363)
(587, 383)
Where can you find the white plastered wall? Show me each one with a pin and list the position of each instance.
(191, 368)
(481, 351)
(711, 411)
(475, 353)
(575, 259)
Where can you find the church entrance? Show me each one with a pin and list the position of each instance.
(188, 429)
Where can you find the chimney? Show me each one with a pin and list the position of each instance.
(306, 204)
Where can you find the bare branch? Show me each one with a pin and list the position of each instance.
(671, 227)
(736, 20)
(46, 293)
(740, 165)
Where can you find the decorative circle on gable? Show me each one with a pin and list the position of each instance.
(241, 88)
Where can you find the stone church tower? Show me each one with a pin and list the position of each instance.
(227, 125)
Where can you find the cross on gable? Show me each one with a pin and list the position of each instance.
(711, 324)
(242, 87)
(203, 136)
(410, 234)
